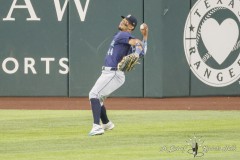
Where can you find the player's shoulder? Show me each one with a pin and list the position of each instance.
(122, 34)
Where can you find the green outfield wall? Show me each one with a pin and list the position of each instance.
(57, 47)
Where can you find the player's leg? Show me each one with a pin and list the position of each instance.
(105, 85)
(108, 82)
(113, 85)
(96, 111)
(103, 116)
(106, 123)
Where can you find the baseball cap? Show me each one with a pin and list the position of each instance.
(131, 19)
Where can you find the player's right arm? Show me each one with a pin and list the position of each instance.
(141, 46)
(144, 32)
(134, 41)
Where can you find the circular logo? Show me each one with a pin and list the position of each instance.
(212, 41)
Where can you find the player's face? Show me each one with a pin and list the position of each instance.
(124, 25)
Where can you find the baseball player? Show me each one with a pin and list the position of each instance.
(113, 77)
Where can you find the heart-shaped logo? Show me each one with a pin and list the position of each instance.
(219, 39)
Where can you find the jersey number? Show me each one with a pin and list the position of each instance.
(110, 51)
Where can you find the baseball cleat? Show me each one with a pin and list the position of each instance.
(96, 130)
(108, 126)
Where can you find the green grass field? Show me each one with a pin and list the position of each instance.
(139, 135)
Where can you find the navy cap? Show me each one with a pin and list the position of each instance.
(131, 19)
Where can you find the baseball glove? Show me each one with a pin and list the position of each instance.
(128, 62)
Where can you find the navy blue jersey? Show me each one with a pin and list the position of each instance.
(119, 48)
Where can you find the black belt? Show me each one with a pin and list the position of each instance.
(109, 68)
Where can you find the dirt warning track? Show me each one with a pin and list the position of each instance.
(65, 103)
